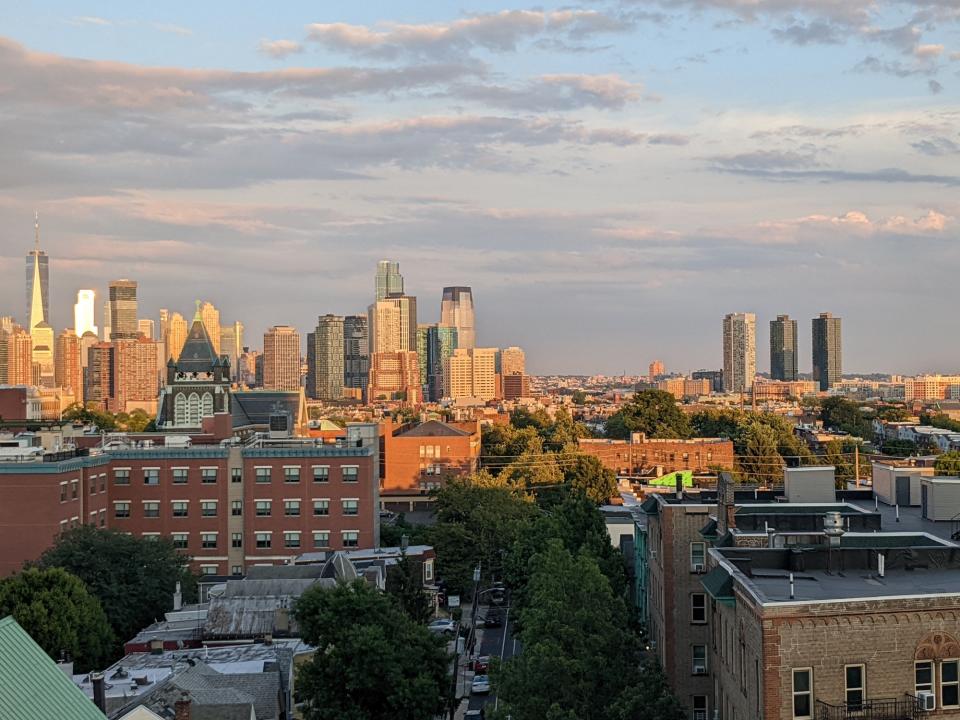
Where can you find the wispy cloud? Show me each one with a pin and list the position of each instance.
(280, 49)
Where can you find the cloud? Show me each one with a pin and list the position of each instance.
(934, 87)
(279, 49)
(173, 29)
(936, 146)
(556, 92)
(896, 68)
(933, 222)
(496, 32)
(817, 32)
(90, 20)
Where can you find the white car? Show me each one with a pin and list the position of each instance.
(443, 626)
(481, 684)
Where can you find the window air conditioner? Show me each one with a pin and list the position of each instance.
(698, 567)
(926, 701)
(699, 669)
(699, 715)
(653, 554)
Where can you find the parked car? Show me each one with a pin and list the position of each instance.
(481, 665)
(481, 684)
(493, 619)
(476, 714)
(444, 626)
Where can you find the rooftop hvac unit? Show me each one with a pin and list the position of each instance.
(926, 701)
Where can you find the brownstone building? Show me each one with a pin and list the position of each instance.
(652, 456)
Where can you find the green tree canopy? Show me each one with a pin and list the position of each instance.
(60, 614)
(760, 461)
(405, 585)
(652, 412)
(133, 578)
(372, 661)
(586, 474)
(948, 463)
(838, 413)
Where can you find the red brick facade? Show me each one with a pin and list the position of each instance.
(641, 455)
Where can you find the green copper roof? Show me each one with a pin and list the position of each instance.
(719, 585)
(31, 684)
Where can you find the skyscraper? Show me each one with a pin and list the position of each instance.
(83, 313)
(389, 280)
(513, 373)
(281, 358)
(441, 342)
(38, 282)
(783, 348)
(393, 324)
(827, 351)
(456, 310)
(471, 374)
(356, 353)
(739, 351)
(655, 370)
(69, 369)
(123, 310)
(145, 326)
(231, 345)
(19, 356)
(325, 359)
(211, 321)
(423, 332)
(176, 335)
(42, 340)
(105, 330)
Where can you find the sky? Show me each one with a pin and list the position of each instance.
(611, 178)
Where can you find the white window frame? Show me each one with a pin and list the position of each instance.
(702, 553)
(343, 538)
(316, 534)
(794, 692)
(703, 608)
(693, 659)
(951, 683)
(862, 689)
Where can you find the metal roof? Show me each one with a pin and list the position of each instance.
(31, 684)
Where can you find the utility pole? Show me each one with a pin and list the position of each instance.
(856, 463)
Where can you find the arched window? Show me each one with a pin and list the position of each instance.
(179, 410)
(206, 407)
(193, 405)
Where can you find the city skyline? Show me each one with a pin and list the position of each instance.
(596, 155)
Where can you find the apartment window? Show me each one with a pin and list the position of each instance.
(802, 694)
(263, 508)
(428, 571)
(121, 510)
(950, 683)
(180, 508)
(291, 474)
(923, 676)
(854, 679)
(236, 569)
(321, 539)
(93, 485)
(263, 540)
(291, 508)
(321, 473)
(236, 508)
(208, 569)
(121, 476)
(103, 482)
(151, 509)
(208, 541)
(236, 474)
(700, 707)
(351, 538)
(103, 518)
(699, 659)
(236, 540)
(208, 508)
(263, 474)
(151, 476)
(321, 507)
(350, 507)
(698, 556)
(208, 475)
(349, 473)
(180, 476)
(73, 489)
(180, 540)
(291, 539)
(63, 492)
(698, 608)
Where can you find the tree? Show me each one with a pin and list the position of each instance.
(78, 413)
(947, 464)
(899, 448)
(137, 421)
(760, 460)
(532, 469)
(372, 661)
(579, 397)
(586, 474)
(651, 412)
(133, 578)
(838, 413)
(60, 614)
(405, 585)
(836, 453)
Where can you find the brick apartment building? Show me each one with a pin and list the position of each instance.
(419, 458)
(641, 455)
(227, 506)
(844, 640)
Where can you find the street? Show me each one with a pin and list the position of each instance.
(496, 643)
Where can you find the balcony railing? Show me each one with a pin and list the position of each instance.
(901, 708)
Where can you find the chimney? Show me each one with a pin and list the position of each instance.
(99, 691)
(177, 597)
(679, 485)
(181, 708)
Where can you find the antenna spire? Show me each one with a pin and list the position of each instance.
(36, 230)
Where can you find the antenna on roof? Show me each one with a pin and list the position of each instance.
(36, 230)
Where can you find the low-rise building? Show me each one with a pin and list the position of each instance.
(641, 455)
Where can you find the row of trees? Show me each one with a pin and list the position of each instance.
(93, 590)
(135, 421)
